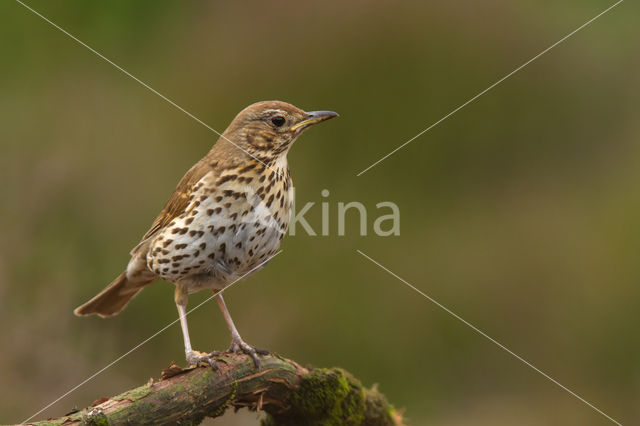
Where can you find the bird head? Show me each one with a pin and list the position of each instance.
(267, 129)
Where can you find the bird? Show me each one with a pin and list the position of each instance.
(224, 221)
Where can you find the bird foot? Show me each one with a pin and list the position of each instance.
(239, 346)
(196, 357)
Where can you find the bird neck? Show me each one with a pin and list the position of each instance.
(227, 155)
(233, 148)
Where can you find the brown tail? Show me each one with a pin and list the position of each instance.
(112, 299)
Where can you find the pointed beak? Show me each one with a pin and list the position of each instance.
(313, 117)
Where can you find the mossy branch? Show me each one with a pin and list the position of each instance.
(289, 393)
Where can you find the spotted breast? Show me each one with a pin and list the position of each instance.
(234, 221)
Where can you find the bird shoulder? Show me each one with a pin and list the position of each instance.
(179, 201)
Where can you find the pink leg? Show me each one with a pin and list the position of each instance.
(237, 344)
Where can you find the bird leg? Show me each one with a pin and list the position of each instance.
(193, 357)
(237, 344)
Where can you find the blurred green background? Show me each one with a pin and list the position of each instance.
(521, 212)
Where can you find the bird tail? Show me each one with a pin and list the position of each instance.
(113, 298)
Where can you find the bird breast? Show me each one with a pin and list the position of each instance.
(233, 223)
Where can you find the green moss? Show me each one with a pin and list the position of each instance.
(379, 412)
(325, 397)
(202, 380)
(391, 411)
(223, 407)
(169, 394)
(96, 417)
(134, 394)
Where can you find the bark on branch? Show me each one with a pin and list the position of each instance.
(289, 393)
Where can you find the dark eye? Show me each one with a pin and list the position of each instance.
(278, 120)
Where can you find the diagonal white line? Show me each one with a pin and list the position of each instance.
(144, 341)
(490, 87)
(145, 85)
(482, 333)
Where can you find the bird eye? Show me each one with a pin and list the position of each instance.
(278, 120)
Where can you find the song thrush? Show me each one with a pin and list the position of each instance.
(226, 217)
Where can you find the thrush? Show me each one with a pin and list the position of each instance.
(224, 221)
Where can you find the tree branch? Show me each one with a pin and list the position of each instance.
(289, 393)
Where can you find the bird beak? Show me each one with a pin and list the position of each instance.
(313, 117)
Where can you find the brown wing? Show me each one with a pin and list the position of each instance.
(178, 201)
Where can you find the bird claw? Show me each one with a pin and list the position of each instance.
(239, 346)
(195, 358)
